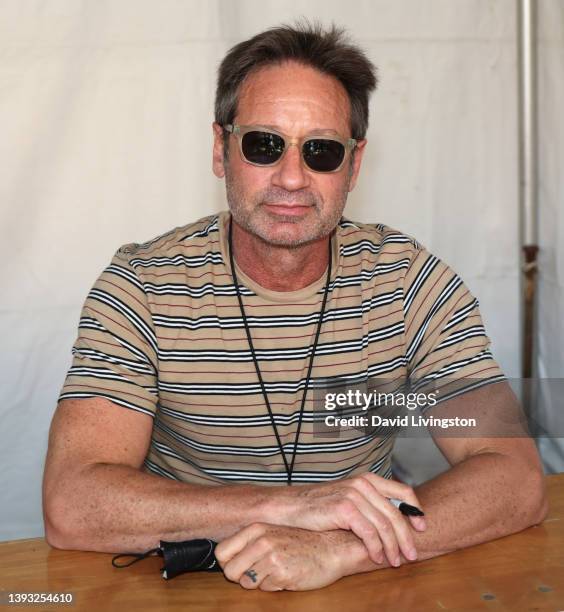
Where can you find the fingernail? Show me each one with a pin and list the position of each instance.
(412, 554)
(397, 562)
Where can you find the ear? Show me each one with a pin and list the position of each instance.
(358, 153)
(217, 158)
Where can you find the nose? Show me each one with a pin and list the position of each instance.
(290, 173)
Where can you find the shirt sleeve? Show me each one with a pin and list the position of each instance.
(115, 353)
(447, 347)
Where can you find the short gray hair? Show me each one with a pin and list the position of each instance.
(328, 51)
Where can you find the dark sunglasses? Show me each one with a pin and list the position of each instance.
(264, 147)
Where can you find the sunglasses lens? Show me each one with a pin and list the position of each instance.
(262, 148)
(323, 155)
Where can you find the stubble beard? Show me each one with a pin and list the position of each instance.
(255, 218)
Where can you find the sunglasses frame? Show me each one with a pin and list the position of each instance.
(240, 130)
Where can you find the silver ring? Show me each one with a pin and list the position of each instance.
(251, 574)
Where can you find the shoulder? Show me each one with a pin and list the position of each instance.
(194, 237)
(382, 242)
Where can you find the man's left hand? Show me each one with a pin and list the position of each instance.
(276, 558)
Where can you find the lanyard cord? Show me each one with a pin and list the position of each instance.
(289, 468)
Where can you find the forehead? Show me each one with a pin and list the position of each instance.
(294, 98)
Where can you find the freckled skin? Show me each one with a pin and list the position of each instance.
(280, 251)
(298, 101)
(97, 496)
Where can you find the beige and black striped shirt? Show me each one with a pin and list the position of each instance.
(161, 333)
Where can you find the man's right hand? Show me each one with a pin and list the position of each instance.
(359, 504)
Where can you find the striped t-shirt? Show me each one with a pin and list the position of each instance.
(161, 333)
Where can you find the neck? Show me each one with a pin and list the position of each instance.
(279, 268)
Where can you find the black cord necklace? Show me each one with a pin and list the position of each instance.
(289, 467)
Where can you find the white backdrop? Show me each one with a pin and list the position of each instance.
(105, 123)
(550, 360)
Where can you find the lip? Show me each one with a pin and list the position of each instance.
(295, 210)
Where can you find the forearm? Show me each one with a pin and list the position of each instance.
(116, 508)
(487, 496)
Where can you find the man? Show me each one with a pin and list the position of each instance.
(198, 354)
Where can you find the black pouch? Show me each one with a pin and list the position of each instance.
(179, 557)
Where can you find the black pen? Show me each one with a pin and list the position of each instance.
(405, 508)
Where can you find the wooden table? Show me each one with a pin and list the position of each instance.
(517, 573)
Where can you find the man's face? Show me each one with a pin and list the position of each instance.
(288, 204)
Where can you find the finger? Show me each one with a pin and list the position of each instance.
(385, 528)
(233, 545)
(356, 521)
(271, 575)
(401, 532)
(418, 523)
(398, 490)
(247, 558)
(394, 519)
(256, 576)
(270, 583)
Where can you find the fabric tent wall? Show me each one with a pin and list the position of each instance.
(550, 312)
(106, 108)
